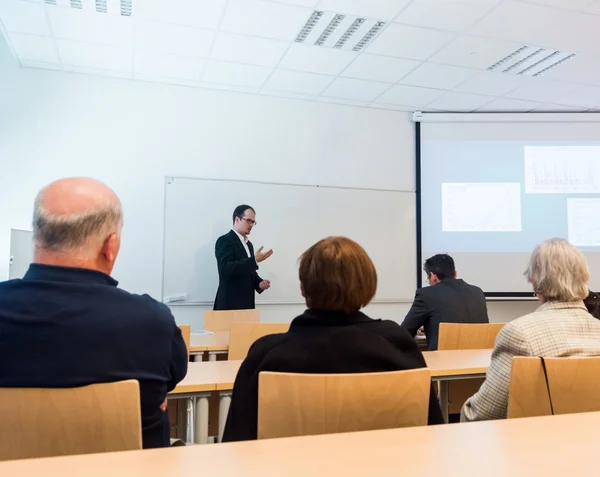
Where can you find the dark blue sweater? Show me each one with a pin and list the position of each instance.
(68, 327)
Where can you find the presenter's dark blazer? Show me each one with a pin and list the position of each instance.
(238, 279)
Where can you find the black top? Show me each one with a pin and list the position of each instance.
(68, 327)
(322, 342)
(449, 301)
(238, 279)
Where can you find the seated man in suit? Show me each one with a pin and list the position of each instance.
(447, 300)
(66, 324)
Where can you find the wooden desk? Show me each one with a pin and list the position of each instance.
(205, 377)
(551, 446)
(212, 343)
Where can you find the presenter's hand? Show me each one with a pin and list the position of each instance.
(261, 256)
(163, 406)
(264, 285)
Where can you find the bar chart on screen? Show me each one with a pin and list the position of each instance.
(562, 169)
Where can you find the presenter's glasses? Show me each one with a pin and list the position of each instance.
(249, 221)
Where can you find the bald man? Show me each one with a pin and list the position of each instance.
(66, 324)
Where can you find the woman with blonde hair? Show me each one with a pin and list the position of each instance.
(337, 279)
(560, 327)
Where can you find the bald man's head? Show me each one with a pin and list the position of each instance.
(75, 217)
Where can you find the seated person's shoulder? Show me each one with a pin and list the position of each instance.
(390, 329)
(145, 305)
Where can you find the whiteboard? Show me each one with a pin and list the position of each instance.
(290, 218)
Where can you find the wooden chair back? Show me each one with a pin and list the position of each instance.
(53, 422)
(465, 336)
(243, 335)
(186, 332)
(221, 320)
(574, 384)
(308, 404)
(528, 392)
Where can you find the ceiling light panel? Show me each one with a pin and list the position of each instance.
(338, 30)
(531, 61)
(117, 7)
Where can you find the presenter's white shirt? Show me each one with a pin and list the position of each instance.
(244, 242)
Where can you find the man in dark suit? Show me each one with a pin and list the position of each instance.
(66, 324)
(237, 264)
(447, 300)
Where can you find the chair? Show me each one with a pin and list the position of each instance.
(307, 404)
(528, 392)
(454, 336)
(186, 332)
(52, 422)
(243, 335)
(573, 383)
(221, 320)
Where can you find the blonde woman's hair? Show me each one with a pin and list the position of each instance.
(558, 271)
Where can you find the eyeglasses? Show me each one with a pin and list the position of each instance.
(249, 221)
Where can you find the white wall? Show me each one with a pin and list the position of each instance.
(132, 134)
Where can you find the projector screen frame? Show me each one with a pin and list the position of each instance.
(419, 117)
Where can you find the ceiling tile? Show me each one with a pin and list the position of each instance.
(174, 39)
(41, 65)
(593, 7)
(570, 4)
(348, 102)
(474, 52)
(409, 42)
(358, 90)
(581, 69)
(314, 59)
(395, 107)
(285, 94)
(159, 79)
(521, 22)
(81, 25)
(225, 87)
(379, 68)
(380, 9)
(24, 17)
(509, 105)
(101, 57)
(456, 15)
(235, 74)
(96, 72)
(431, 75)
(542, 90)
(265, 19)
(558, 108)
(197, 13)
(491, 83)
(587, 96)
(577, 32)
(300, 3)
(296, 82)
(34, 48)
(409, 96)
(167, 66)
(248, 49)
(459, 102)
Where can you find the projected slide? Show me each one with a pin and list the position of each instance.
(584, 226)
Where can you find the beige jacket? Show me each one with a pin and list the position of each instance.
(555, 329)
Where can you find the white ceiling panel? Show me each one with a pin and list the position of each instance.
(379, 68)
(265, 19)
(228, 87)
(409, 42)
(459, 102)
(395, 107)
(348, 102)
(581, 69)
(578, 33)
(294, 81)
(159, 79)
(542, 90)
(34, 48)
(314, 59)
(586, 96)
(474, 52)
(409, 96)
(167, 66)
(300, 3)
(521, 22)
(285, 94)
(593, 7)
(491, 83)
(379, 9)
(431, 75)
(93, 27)
(509, 105)
(559, 108)
(248, 49)
(358, 90)
(24, 17)
(235, 74)
(198, 13)
(446, 15)
(41, 65)
(173, 39)
(570, 4)
(96, 72)
(100, 57)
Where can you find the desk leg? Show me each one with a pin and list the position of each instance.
(224, 403)
(212, 356)
(190, 420)
(444, 399)
(201, 424)
(197, 357)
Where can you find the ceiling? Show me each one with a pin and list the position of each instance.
(429, 55)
